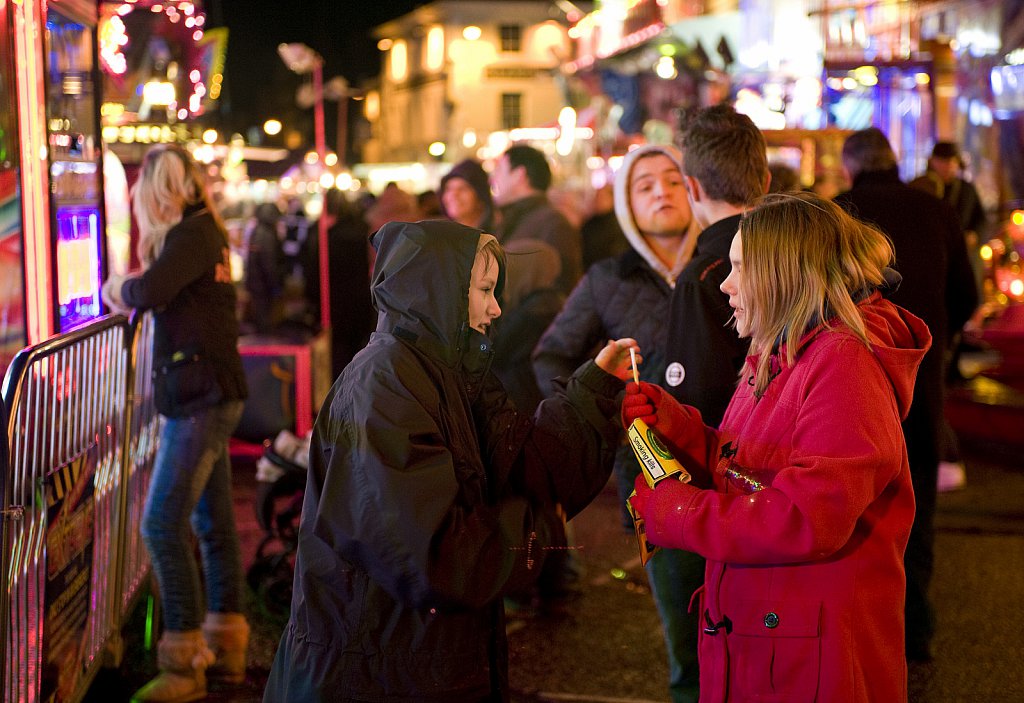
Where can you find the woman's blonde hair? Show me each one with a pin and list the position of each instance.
(169, 182)
(805, 262)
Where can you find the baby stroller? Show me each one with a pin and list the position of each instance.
(281, 480)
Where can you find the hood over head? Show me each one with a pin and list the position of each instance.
(899, 340)
(420, 282)
(624, 210)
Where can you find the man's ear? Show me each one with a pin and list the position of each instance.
(767, 182)
(520, 177)
(693, 188)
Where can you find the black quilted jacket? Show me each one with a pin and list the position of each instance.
(621, 297)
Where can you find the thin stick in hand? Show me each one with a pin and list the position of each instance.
(632, 359)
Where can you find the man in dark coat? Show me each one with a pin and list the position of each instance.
(632, 292)
(529, 304)
(725, 167)
(428, 495)
(943, 179)
(938, 287)
(520, 182)
(348, 267)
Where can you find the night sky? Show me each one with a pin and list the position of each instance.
(257, 83)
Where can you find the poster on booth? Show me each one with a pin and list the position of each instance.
(70, 508)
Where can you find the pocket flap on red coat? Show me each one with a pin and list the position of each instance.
(775, 617)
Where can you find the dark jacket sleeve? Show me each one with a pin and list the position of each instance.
(703, 341)
(570, 339)
(387, 499)
(187, 255)
(564, 453)
(974, 217)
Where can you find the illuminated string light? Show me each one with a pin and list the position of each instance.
(113, 39)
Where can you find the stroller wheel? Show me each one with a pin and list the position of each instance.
(271, 582)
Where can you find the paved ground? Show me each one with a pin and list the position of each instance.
(609, 648)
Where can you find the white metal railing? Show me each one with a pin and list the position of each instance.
(143, 424)
(82, 434)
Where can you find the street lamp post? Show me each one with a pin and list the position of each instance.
(302, 60)
(337, 89)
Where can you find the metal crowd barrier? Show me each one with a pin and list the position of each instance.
(80, 450)
(143, 423)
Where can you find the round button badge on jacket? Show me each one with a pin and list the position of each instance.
(674, 374)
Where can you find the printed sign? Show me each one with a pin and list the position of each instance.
(70, 516)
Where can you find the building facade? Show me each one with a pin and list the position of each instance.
(456, 72)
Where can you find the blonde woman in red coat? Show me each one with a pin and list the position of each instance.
(802, 501)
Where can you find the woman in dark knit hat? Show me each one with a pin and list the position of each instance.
(466, 196)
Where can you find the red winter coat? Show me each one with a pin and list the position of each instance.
(805, 528)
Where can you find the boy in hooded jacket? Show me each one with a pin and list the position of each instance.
(428, 494)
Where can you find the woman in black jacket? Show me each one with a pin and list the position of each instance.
(428, 495)
(198, 386)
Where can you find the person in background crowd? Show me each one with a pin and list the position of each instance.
(264, 269)
(601, 234)
(784, 178)
(938, 286)
(364, 201)
(352, 315)
(529, 303)
(428, 495)
(520, 182)
(466, 196)
(300, 236)
(802, 500)
(944, 179)
(297, 231)
(199, 388)
(632, 292)
(429, 205)
(392, 205)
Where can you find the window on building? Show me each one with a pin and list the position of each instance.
(433, 55)
(511, 37)
(511, 110)
(399, 61)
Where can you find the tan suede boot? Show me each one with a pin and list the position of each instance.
(182, 658)
(227, 635)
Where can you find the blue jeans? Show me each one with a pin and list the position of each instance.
(192, 479)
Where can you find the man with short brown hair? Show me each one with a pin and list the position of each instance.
(725, 167)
